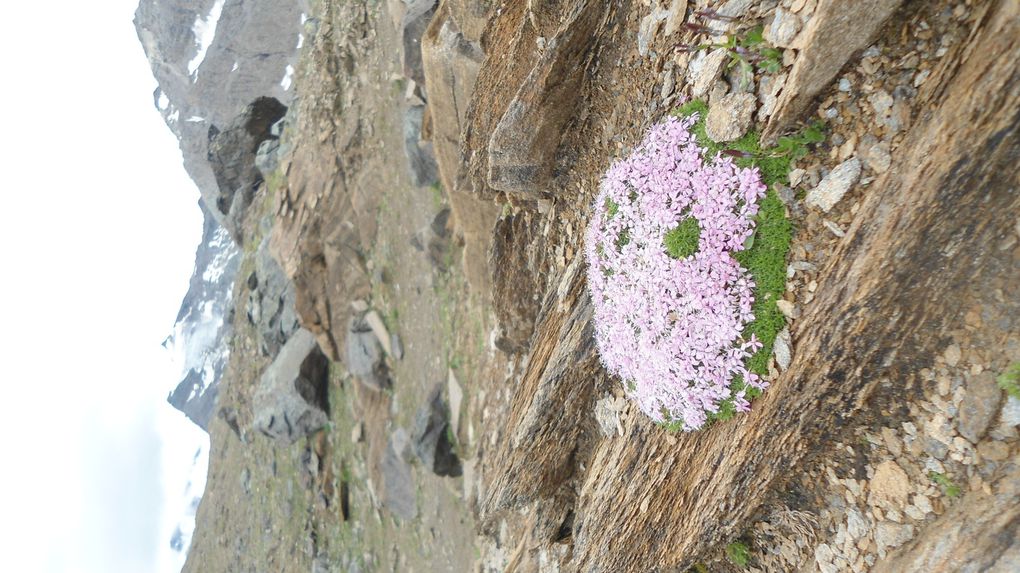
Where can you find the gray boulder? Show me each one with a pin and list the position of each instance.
(232, 153)
(420, 158)
(270, 305)
(398, 495)
(365, 354)
(430, 438)
(291, 400)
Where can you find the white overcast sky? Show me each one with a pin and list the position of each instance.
(98, 233)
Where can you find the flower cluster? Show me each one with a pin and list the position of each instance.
(670, 301)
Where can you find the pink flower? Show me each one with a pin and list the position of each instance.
(671, 329)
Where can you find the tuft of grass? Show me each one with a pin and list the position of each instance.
(1009, 380)
(738, 553)
(947, 485)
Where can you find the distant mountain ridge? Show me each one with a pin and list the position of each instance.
(201, 334)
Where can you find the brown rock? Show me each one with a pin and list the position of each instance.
(890, 488)
(835, 32)
(730, 117)
(979, 407)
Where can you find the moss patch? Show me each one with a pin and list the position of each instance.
(683, 240)
(765, 259)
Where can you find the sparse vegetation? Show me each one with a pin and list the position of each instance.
(1009, 380)
(738, 553)
(942, 480)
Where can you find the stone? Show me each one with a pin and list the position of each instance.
(232, 152)
(398, 494)
(397, 345)
(420, 158)
(677, 13)
(706, 70)
(769, 88)
(892, 442)
(952, 355)
(890, 535)
(979, 407)
(856, 526)
(456, 394)
(783, 29)
(430, 439)
(890, 487)
(1011, 412)
(730, 117)
(835, 185)
(993, 450)
(291, 400)
(876, 157)
(364, 355)
(607, 417)
(270, 305)
(881, 102)
(824, 557)
(788, 309)
(649, 27)
(783, 348)
(378, 327)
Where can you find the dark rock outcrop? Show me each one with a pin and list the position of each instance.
(232, 152)
(202, 330)
(430, 438)
(291, 400)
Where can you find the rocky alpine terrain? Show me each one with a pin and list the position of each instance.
(389, 334)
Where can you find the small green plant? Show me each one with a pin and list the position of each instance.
(796, 146)
(943, 481)
(698, 568)
(738, 553)
(1009, 380)
(746, 51)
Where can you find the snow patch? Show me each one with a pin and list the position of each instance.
(234, 69)
(205, 31)
(163, 101)
(174, 116)
(194, 119)
(300, 41)
(288, 77)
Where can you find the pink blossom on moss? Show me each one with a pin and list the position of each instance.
(672, 328)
